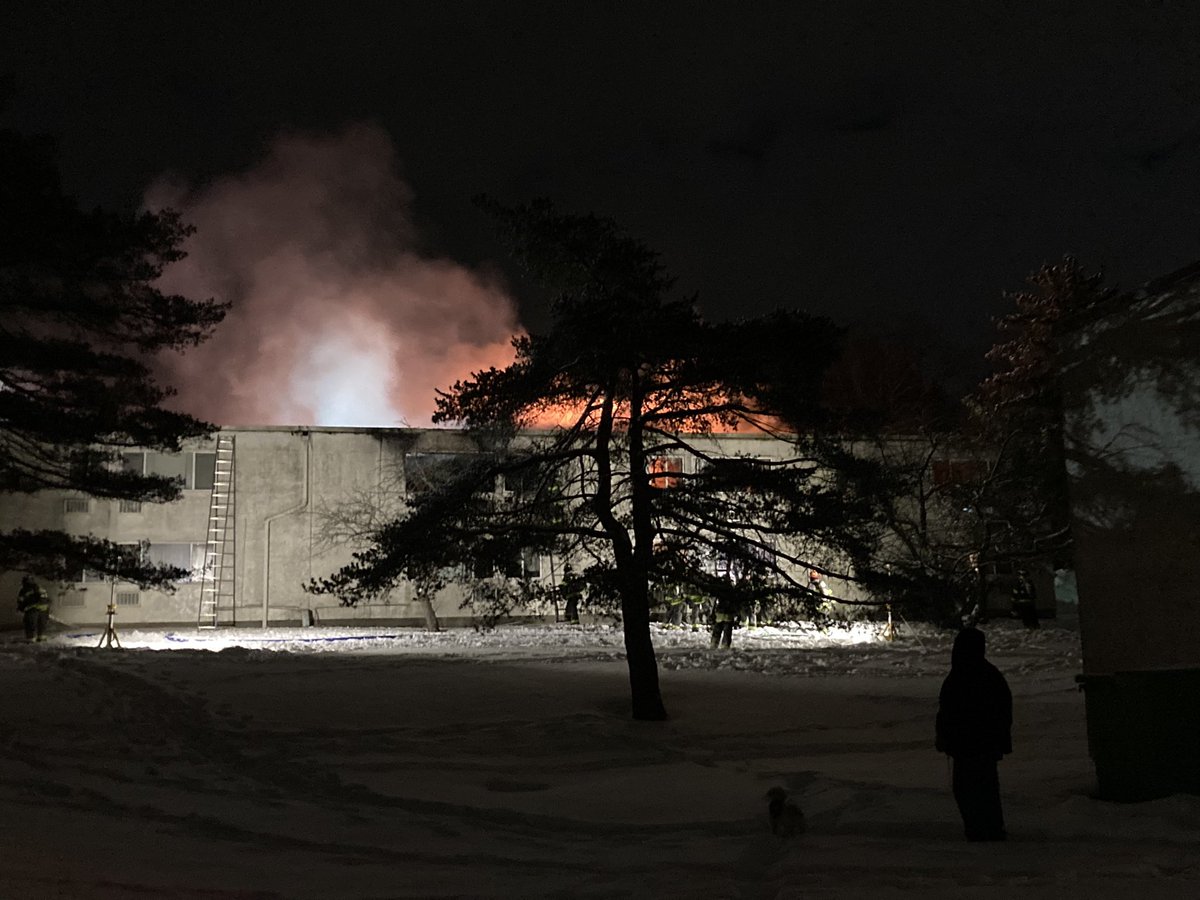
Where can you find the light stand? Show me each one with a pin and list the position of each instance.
(889, 632)
(109, 638)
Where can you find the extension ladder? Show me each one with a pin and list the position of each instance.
(217, 583)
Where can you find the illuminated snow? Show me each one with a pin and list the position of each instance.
(373, 762)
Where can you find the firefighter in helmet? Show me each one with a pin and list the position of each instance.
(34, 605)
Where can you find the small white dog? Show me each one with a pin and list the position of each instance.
(786, 817)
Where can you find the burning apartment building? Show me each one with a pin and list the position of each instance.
(264, 510)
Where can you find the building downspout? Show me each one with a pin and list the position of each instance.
(291, 510)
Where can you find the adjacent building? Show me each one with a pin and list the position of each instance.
(1132, 416)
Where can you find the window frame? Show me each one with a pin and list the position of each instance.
(664, 471)
(196, 550)
(189, 480)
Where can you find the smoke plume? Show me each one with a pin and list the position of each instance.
(336, 318)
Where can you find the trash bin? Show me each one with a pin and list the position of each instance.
(1144, 732)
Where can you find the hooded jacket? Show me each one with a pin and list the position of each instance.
(974, 716)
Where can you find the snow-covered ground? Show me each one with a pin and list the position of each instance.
(377, 763)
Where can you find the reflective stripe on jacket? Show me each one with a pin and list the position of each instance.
(32, 596)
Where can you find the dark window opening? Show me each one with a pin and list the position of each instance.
(957, 471)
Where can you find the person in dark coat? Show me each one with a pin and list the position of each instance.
(974, 727)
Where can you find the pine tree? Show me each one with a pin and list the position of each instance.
(1018, 410)
(81, 321)
(632, 379)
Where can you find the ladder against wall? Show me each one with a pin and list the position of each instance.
(218, 581)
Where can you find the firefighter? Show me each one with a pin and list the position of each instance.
(1024, 600)
(725, 616)
(34, 605)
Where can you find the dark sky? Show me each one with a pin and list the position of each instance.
(863, 159)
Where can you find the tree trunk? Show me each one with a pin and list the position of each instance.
(635, 589)
(631, 564)
(643, 665)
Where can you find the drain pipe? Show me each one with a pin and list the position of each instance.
(291, 510)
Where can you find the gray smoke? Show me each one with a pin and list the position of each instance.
(336, 318)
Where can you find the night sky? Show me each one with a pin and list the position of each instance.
(900, 163)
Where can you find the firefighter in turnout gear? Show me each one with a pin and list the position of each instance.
(725, 615)
(34, 605)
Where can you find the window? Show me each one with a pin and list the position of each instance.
(188, 556)
(129, 598)
(130, 506)
(76, 505)
(665, 471)
(426, 471)
(193, 471)
(514, 567)
(204, 471)
(531, 563)
(69, 599)
(484, 568)
(521, 482)
(525, 564)
(170, 465)
(730, 474)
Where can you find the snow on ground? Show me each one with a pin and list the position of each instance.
(374, 763)
(770, 650)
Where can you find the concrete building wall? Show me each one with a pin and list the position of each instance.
(291, 490)
(86, 601)
(287, 483)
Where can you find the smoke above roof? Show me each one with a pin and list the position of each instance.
(337, 317)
